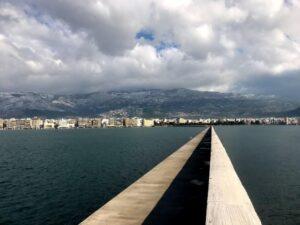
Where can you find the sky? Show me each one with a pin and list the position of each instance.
(75, 46)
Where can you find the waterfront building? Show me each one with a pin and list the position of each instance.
(287, 121)
(168, 121)
(192, 121)
(181, 121)
(128, 122)
(89, 123)
(49, 124)
(105, 122)
(118, 122)
(63, 124)
(83, 122)
(139, 122)
(96, 122)
(281, 121)
(209, 121)
(22, 124)
(11, 124)
(66, 123)
(28, 123)
(37, 123)
(158, 121)
(114, 122)
(133, 122)
(293, 121)
(72, 123)
(1, 124)
(148, 123)
(201, 121)
(111, 122)
(250, 121)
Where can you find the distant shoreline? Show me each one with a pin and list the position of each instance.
(165, 126)
(37, 123)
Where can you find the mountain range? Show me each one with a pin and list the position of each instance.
(144, 103)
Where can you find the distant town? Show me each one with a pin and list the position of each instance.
(73, 123)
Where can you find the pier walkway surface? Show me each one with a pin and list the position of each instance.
(228, 202)
(197, 184)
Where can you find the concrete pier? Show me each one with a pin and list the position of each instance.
(135, 203)
(228, 202)
(197, 184)
(184, 202)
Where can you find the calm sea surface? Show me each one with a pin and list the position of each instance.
(267, 160)
(60, 177)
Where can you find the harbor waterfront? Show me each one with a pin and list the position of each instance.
(38, 123)
(62, 177)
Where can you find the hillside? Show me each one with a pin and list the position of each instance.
(145, 103)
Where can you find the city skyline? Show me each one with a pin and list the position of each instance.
(38, 123)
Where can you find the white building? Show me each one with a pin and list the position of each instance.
(49, 124)
(37, 123)
(1, 124)
(148, 123)
(105, 122)
(63, 124)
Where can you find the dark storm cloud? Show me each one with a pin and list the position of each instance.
(286, 85)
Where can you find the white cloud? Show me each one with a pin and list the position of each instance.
(82, 46)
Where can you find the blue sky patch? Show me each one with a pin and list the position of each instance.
(145, 34)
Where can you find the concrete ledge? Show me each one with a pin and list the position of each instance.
(228, 202)
(134, 204)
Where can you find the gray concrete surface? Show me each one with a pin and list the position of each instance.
(228, 202)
